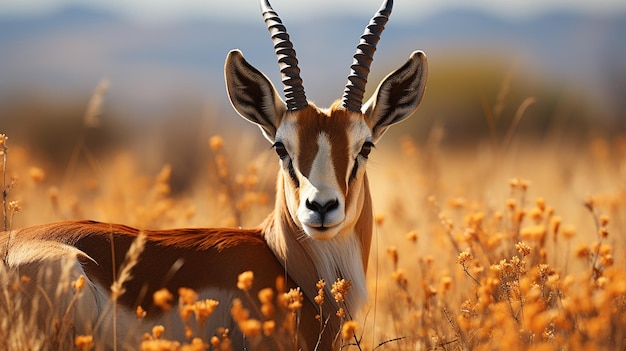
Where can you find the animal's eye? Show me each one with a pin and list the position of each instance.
(280, 149)
(366, 149)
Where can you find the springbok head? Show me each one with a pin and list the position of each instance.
(323, 152)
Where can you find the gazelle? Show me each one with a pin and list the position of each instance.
(321, 226)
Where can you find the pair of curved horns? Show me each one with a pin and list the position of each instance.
(288, 63)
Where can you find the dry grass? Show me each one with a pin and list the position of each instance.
(516, 245)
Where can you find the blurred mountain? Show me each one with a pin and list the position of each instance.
(153, 65)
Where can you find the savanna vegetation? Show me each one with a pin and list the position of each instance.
(506, 236)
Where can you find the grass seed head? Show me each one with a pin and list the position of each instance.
(464, 257)
(349, 329)
(522, 248)
(293, 299)
(340, 289)
(187, 296)
(79, 283)
(269, 327)
(244, 280)
(251, 327)
(216, 143)
(204, 309)
(163, 299)
(140, 312)
(319, 298)
(37, 174)
(412, 236)
(157, 331)
(84, 342)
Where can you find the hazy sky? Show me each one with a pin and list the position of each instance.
(158, 10)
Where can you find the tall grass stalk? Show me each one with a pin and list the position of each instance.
(91, 119)
(508, 137)
(3, 151)
(125, 275)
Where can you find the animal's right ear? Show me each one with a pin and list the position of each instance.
(253, 95)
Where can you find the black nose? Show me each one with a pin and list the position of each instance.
(322, 208)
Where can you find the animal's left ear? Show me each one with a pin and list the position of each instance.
(397, 96)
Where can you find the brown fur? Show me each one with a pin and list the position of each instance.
(211, 258)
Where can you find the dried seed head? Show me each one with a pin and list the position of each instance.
(569, 231)
(215, 342)
(266, 295)
(216, 143)
(187, 296)
(250, 327)
(185, 312)
(15, 206)
(163, 299)
(607, 260)
(349, 330)
(522, 248)
(84, 342)
(604, 220)
(457, 203)
(340, 312)
(541, 203)
(464, 257)
(511, 204)
(555, 224)
(524, 184)
(140, 312)
(536, 232)
(293, 299)
(269, 327)
(379, 219)
(37, 174)
(238, 312)
(244, 280)
(319, 298)
(267, 310)
(400, 278)
(392, 252)
(189, 334)
(94, 107)
(582, 251)
(536, 214)
(603, 232)
(340, 289)
(445, 284)
(78, 283)
(204, 309)
(157, 331)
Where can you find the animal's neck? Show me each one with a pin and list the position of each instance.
(307, 260)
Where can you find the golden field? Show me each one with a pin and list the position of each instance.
(512, 243)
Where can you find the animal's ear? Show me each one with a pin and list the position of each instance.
(253, 95)
(397, 96)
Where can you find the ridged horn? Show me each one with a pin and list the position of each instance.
(359, 70)
(287, 61)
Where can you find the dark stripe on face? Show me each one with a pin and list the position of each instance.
(312, 123)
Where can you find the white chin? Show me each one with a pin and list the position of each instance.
(324, 233)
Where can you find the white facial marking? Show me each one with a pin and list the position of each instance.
(321, 208)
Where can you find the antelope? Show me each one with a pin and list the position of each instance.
(320, 228)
